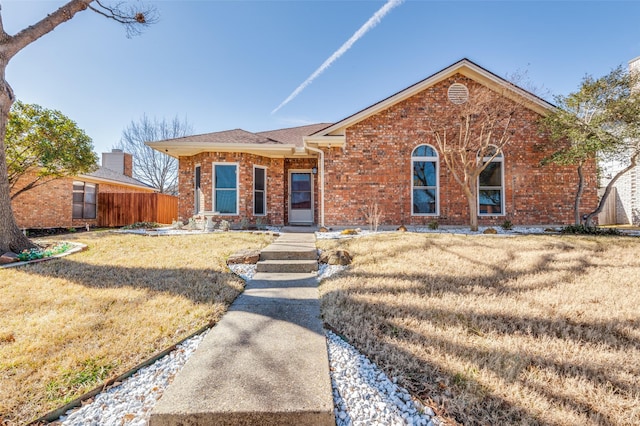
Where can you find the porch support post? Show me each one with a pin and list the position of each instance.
(321, 152)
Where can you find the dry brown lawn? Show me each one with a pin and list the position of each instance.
(498, 330)
(69, 324)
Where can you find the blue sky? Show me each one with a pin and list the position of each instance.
(229, 64)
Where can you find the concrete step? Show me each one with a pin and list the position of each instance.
(287, 266)
(276, 252)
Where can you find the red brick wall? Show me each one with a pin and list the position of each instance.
(128, 165)
(376, 165)
(45, 206)
(51, 205)
(275, 185)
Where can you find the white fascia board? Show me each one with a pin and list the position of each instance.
(188, 149)
(325, 141)
(92, 179)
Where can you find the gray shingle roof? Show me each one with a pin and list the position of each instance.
(110, 175)
(294, 135)
(289, 136)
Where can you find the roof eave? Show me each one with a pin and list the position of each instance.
(185, 149)
(98, 180)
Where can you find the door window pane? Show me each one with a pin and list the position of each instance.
(301, 182)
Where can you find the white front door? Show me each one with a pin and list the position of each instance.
(300, 197)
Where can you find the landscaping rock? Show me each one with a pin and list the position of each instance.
(490, 231)
(244, 256)
(323, 229)
(336, 257)
(402, 228)
(8, 257)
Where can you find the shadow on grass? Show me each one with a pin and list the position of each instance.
(382, 330)
(197, 285)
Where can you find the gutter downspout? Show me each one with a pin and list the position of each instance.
(321, 152)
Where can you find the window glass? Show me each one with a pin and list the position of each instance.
(225, 176)
(84, 200)
(425, 180)
(492, 175)
(424, 173)
(424, 201)
(259, 199)
(490, 201)
(300, 182)
(259, 179)
(490, 188)
(225, 191)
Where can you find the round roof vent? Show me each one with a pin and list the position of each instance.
(458, 93)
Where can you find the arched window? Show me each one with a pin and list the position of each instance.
(424, 185)
(491, 184)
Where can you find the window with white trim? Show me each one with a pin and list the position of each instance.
(259, 191)
(225, 188)
(491, 185)
(84, 200)
(424, 183)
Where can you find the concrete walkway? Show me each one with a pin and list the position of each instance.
(265, 362)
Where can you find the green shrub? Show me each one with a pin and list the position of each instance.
(142, 225)
(433, 225)
(39, 253)
(507, 225)
(588, 230)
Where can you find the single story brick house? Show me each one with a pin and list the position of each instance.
(330, 173)
(73, 201)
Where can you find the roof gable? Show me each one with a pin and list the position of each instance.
(464, 67)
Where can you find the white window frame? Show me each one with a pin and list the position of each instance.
(264, 191)
(213, 187)
(498, 159)
(435, 159)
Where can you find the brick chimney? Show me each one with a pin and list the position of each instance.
(118, 161)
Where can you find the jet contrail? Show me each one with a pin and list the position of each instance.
(372, 22)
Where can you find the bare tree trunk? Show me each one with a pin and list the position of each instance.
(576, 203)
(609, 187)
(11, 238)
(472, 197)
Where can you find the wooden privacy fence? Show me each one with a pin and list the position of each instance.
(120, 209)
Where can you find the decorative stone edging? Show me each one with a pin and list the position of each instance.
(77, 247)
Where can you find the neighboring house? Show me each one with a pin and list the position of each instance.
(330, 174)
(73, 201)
(623, 204)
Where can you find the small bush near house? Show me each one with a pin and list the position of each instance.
(507, 225)
(433, 225)
(588, 230)
(142, 225)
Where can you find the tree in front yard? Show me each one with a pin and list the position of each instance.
(601, 119)
(150, 166)
(470, 138)
(43, 145)
(11, 238)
